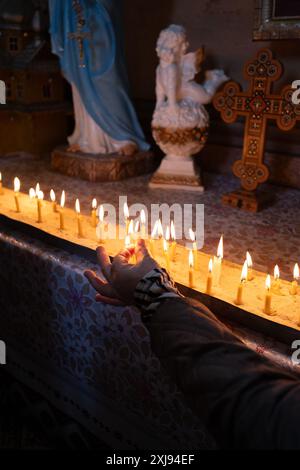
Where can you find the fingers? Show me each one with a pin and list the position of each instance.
(108, 300)
(141, 250)
(100, 286)
(104, 261)
(123, 256)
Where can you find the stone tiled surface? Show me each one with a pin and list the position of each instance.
(272, 235)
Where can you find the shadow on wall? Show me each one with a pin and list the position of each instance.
(140, 42)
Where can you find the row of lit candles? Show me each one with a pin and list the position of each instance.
(168, 244)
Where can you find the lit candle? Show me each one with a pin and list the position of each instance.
(191, 269)
(53, 200)
(100, 226)
(218, 262)
(130, 229)
(37, 189)
(268, 297)
(294, 284)
(166, 254)
(32, 193)
(173, 241)
(79, 219)
(17, 186)
(239, 296)
(194, 245)
(1, 188)
(126, 217)
(209, 281)
(94, 213)
(40, 197)
(250, 276)
(160, 232)
(143, 224)
(61, 211)
(152, 237)
(276, 283)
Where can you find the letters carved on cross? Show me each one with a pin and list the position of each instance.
(257, 105)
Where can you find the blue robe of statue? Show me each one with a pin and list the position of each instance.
(100, 88)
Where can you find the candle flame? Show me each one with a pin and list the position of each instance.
(167, 237)
(220, 252)
(37, 188)
(249, 260)
(40, 195)
(101, 213)
(143, 217)
(276, 272)
(52, 195)
(244, 274)
(210, 265)
(77, 206)
(191, 259)
(17, 184)
(165, 245)
(0, 176)
(94, 203)
(173, 232)
(31, 193)
(126, 210)
(296, 272)
(62, 199)
(192, 235)
(268, 282)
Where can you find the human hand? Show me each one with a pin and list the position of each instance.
(121, 276)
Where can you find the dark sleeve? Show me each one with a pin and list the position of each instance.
(244, 399)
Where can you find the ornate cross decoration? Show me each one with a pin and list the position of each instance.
(257, 104)
(79, 35)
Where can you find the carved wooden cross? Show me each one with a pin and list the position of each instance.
(258, 105)
(79, 36)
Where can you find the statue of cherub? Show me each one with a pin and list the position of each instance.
(180, 121)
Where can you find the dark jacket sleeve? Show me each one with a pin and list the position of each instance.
(244, 399)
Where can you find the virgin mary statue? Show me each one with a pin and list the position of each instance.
(87, 37)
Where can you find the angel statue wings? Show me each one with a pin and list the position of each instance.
(87, 37)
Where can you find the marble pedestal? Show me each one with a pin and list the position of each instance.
(177, 172)
(102, 167)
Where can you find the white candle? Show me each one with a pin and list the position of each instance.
(191, 269)
(17, 186)
(294, 285)
(100, 226)
(94, 213)
(218, 262)
(173, 241)
(268, 297)
(143, 224)
(61, 211)
(250, 266)
(239, 295)
(40, 197)
(79, 219)
(126, 217)
(53, 200)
